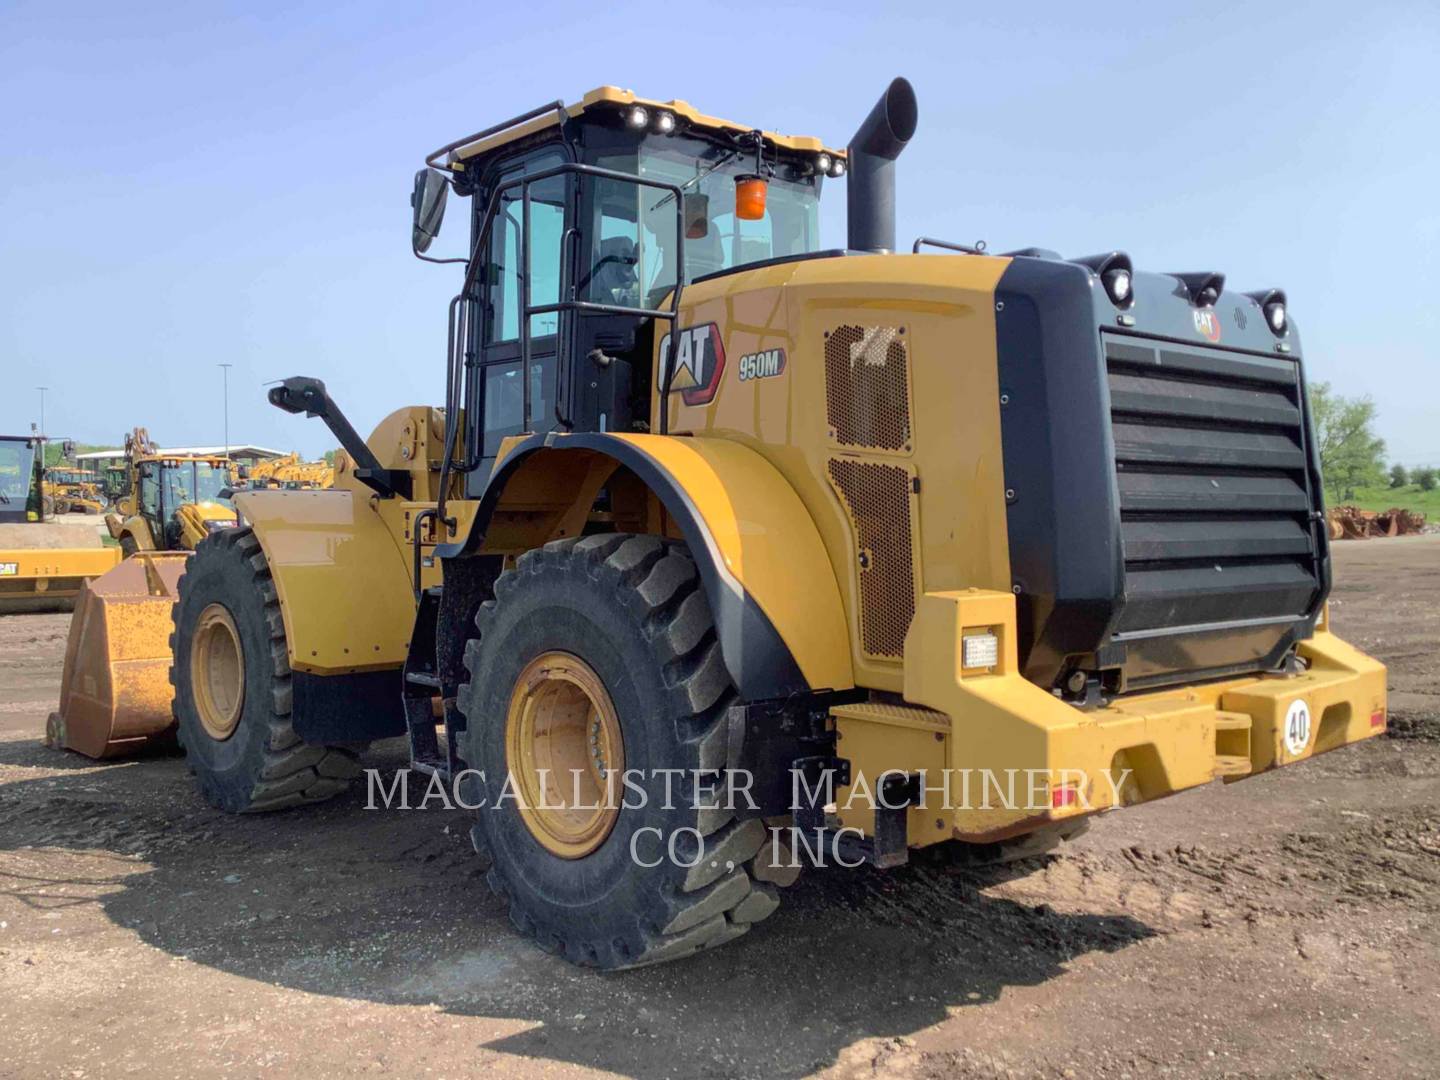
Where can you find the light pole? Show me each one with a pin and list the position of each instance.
(42, 390)
(225, 375)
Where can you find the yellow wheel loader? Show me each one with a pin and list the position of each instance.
(724, 545)
(43, 564)
(169, 502)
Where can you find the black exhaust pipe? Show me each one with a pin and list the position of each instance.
(870, 206)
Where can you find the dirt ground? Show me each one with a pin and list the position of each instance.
(1285, 926)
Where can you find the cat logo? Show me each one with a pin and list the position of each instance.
(699, 363)
(762, 365)
(1207, 323)
(9, 569)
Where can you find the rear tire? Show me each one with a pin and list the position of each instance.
(232, 685)
(631, 610)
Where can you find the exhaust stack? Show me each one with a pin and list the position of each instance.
(870, 206)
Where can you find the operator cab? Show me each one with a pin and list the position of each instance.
(19, 494)
(628, 195)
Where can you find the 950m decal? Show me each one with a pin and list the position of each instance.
(762, 365)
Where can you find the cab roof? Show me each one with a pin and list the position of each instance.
(614, 98)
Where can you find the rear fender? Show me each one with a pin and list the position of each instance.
(766, 573)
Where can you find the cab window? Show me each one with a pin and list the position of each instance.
(547, 228)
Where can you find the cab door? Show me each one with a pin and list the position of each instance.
(499, 396)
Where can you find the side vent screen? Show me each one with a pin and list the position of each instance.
(867, 387)
(877, 498)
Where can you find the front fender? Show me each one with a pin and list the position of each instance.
(343, 583)
(766, 573)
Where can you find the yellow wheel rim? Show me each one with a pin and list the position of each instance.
(217, 672)
(565, 754)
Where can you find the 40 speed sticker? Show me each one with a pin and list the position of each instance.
(1297, 728)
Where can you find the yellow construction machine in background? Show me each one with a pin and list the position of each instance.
(67, 491)
(115, 696)
(43, 564)
(170, 502)
(291, 473)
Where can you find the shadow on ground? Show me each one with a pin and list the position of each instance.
(391, 907)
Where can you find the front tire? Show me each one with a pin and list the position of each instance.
(232, 686)
(609, 637)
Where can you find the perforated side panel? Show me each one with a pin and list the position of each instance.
(867, 387)
(877, 498)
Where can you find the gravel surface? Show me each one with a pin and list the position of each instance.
(1284, 926)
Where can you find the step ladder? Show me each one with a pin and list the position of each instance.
(434, 742)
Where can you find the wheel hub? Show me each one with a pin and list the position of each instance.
(217, 672)
(565, 753)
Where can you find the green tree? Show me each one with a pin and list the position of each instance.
(1398, 476)
(54, 456)
(1425, 478)
(330, 458)
(1351, 454)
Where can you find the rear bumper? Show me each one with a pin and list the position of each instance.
(1003, 757)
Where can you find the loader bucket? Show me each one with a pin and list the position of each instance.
(115, 697)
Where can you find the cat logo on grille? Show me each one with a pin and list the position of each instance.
(699, 363)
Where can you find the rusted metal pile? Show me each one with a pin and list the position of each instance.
(1352, 523)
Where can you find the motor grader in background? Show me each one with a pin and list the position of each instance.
(707, 501)
(169, 502)
(43, 564)
(71, 491)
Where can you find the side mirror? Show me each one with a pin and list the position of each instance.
(427, 204)
(67, 450)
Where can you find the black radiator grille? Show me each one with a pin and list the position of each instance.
(1215, 498)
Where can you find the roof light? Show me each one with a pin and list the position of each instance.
(823, 163)
(1204, 287)
(1117, 285)
(837, 168)
(1272, 302)
(664, 122)
(637, 116)
(1114, 269)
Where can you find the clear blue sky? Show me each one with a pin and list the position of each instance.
(190, 183)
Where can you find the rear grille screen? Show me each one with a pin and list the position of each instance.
(1215, 498)
(867, 387)
(877, 500)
